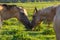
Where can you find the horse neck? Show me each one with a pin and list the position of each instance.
(7, 16)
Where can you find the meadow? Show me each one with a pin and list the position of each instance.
(12, 29)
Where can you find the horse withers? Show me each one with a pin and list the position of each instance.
(9, 11)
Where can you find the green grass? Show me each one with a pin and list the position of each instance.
(14, 30)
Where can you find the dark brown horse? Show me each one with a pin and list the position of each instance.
(44, 14)
(9, 11)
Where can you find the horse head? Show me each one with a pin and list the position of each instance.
(36, 18)
(23, 16)
(44, 14)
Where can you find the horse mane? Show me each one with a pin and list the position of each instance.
(4, 5)
(8, 6)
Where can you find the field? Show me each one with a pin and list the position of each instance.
(14, 30)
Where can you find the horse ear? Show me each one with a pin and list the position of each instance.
(36, 9)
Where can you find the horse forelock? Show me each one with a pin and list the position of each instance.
(8, 6)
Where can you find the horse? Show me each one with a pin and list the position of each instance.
(10, 11)
(56, 23)
(44, 14)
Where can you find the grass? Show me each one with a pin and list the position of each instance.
(14, 30)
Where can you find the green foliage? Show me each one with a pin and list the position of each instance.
(23, 1)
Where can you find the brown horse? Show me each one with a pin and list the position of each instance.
(57, 23)
(40, 15)
(9, 11)
(44, 14)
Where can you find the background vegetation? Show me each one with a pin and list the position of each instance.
(23, 1)
(14, 30)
